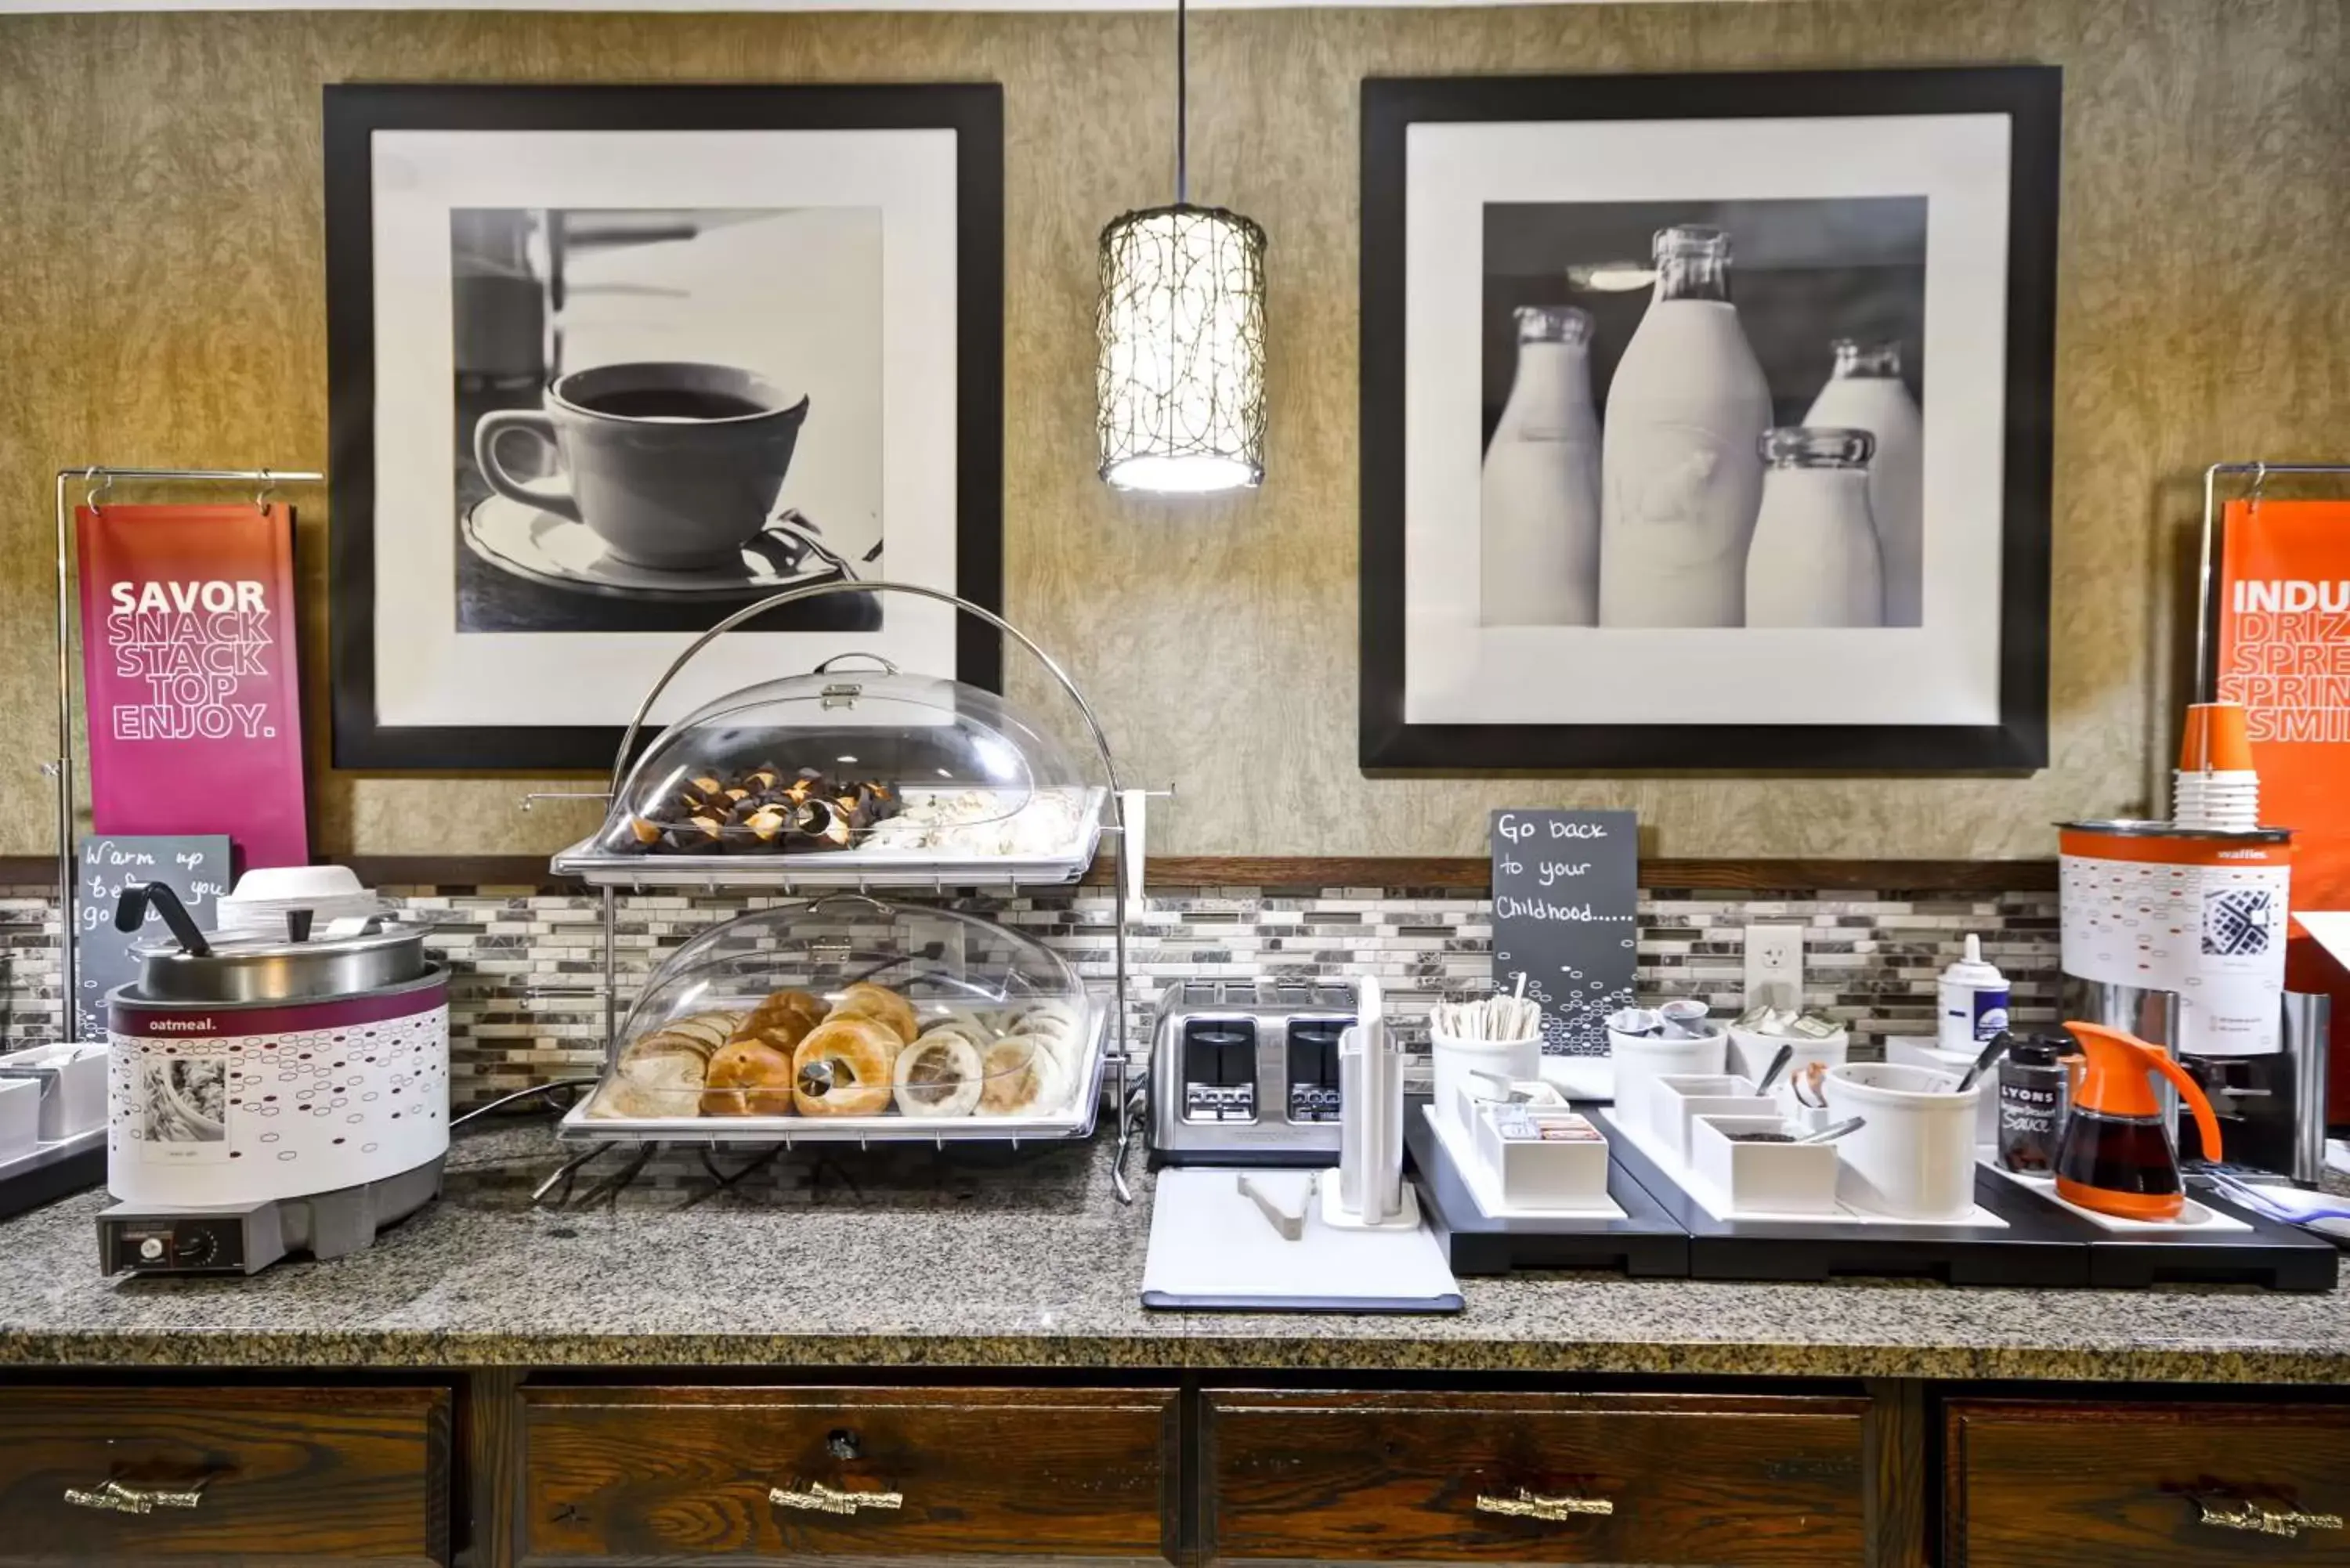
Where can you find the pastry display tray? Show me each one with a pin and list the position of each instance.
(1075, 1121)
(858, 868)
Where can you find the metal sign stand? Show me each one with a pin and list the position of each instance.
(98, 481)
(2206, 670)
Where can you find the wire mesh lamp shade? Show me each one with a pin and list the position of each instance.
(1181, 393)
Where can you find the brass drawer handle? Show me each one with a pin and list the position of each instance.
(121, 1497)
(2251, 1516)
(819, 1498)
(1533, 1505)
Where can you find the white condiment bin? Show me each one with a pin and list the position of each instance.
(1914, 1154)
(1920, 1051)
(20, 1117)
(1537, 1174)
(70, 1084)
(1677, 1098)
(1454, 1059)
(1474, 1091)
(1762, 1178)
(1641, 1059)
(1750, 1054)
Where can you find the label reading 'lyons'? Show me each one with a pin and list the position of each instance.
(1565, 894)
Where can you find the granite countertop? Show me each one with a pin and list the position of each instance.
(1026, 1260)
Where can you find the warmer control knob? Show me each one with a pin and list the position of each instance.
(198, 1247)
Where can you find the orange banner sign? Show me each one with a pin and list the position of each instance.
(2284, 647)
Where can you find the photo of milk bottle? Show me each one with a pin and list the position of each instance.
(1681, 478)
(1539, 516)
(1813, 561)
(1866, 393)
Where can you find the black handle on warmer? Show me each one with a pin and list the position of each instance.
(138, 898)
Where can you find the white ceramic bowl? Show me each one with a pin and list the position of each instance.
(1454, 1059)
(1750, 1053)
(1764, 1178)
(1678, 1098)
(1642, 1059)
(1915, 1156)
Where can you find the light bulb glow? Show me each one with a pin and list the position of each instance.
(1181, 367)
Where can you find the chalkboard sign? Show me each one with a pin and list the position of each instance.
(196, 866)
(1565, 891)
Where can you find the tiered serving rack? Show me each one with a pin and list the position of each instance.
(862, 872)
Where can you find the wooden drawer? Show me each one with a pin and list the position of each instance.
(1644, 1479)
(2118, 1485)
(627, 1475)
(284, 1475)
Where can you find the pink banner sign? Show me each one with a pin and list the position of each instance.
(195, 710)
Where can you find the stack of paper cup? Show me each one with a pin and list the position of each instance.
(2216, 787)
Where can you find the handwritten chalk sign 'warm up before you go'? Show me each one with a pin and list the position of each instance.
(1565, 900)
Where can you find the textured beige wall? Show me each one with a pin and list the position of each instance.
(163, 301)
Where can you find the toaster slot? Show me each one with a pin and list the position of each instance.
(1313, 1063)
(1218, 1070)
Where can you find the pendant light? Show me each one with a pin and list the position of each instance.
(1181, 324)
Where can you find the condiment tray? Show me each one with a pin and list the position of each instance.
(1718, 1204)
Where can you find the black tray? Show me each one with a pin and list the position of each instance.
(21, 1191)
(2282, 1257)
(1647, 1241)
(2043, 1244)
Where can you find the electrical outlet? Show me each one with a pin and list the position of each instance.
(1774, 965)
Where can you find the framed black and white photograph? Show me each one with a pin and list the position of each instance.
(610, 364)
(1706, 420)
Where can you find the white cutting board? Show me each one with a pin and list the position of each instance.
(1213, 1250)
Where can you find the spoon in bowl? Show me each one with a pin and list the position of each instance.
(1990, 1052)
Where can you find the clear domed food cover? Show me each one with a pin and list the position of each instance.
(848, 775)
(849, 1017)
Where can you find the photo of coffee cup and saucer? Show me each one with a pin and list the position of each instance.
(663, 484)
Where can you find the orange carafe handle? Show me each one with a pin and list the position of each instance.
(2206, 1124)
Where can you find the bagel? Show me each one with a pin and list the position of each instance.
(1017, 1018)
(748, 1078)
(1062, 1043)
(658, 1075)
(963, 1021)
(667, 1042)
(1021, 1077)
(865, 1000)
(939, 1076)
(846, 1067)
(791, 1013)
(711, 1029)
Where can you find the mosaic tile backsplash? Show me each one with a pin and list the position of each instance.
(527, 967)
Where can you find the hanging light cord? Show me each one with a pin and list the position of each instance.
(1182, 106)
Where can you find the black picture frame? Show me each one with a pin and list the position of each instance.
(353, 112)
(2030, 97)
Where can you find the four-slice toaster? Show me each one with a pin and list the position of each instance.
(1246, 1072)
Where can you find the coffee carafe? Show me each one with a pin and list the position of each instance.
(2117, 1155)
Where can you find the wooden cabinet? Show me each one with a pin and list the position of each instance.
(2032, 1483)
(640, 1474)
(1472, 1478)
(132, 1476)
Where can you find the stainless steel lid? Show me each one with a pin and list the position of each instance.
(2133, 827)
(196, 967)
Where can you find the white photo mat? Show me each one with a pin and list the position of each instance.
(427, 673)
(1946, 672)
